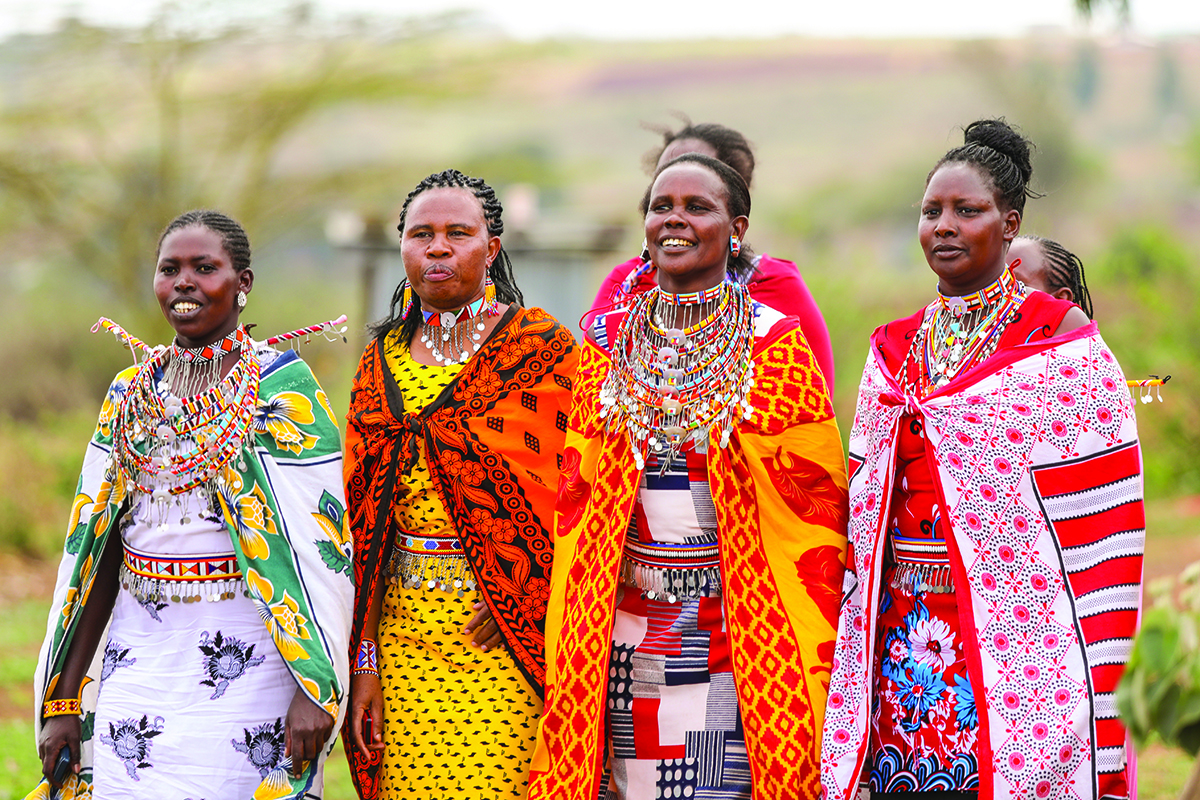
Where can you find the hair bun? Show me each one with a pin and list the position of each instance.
(1003, 138)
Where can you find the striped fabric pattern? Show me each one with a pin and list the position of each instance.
(1094, 506)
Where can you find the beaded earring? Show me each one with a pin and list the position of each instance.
(735, 246)
(645, 251)
(406, 302)
(241, 299)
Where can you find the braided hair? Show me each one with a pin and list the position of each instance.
(1002, 154)
(737, 200)
(233, 235)
(1064, 270)
(500, 270)
(731, 146)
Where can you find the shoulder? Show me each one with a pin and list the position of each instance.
(622, 270)
(1041, 316)
(540, 323)
(767, 267)
(1072, 321)
(893, 339)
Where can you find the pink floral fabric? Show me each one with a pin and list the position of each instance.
(1036, 459)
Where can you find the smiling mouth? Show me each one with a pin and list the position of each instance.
(677, 243)
(185, 307)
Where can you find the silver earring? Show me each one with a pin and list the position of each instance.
(241, 299)
(645, 250)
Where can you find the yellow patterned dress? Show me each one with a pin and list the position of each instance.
(457, 721)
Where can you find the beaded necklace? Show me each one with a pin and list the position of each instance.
(170, 437)
(671, 384)
(959, 332)
(455, 330)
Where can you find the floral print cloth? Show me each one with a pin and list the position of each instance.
(285, 520)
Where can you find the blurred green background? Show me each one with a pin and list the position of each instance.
(312, 135)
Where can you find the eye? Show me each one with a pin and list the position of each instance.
(930, 213)
(697, 208)
(968, 212)
(167, 269)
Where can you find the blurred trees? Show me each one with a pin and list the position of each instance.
(106, 135)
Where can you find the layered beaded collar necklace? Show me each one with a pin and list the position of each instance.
(671, 383)
(959, 332)
(178, 425)
(175, 434)
(449, 334)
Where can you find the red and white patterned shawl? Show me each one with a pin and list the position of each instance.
(1036, 460)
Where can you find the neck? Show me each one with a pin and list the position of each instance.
(965, 286)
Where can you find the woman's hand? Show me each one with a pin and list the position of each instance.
(366, 699)
(59, 732)
(306, 731)
(487, 632)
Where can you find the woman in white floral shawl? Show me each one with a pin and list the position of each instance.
(218, 463)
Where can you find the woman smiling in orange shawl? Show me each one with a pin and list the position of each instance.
(700, 532)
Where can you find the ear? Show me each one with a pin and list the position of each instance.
(739, 225)
(1064, 293)
(246, 280)
(493, 250)
(1012, 224)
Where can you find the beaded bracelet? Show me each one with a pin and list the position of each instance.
(60, 708)
(367, 662)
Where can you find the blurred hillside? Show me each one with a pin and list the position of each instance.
(106, 135)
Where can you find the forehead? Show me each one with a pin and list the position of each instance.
(192, 240)
(688, 145)
(445, 206)
(957, 180)
(690, 180)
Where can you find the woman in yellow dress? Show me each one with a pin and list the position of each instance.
(457, 419)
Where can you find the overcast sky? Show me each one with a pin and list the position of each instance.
(639, 19)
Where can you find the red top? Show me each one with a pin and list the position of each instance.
(775, 283)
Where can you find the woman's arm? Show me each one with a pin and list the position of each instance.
(366, 690)
(58, 732)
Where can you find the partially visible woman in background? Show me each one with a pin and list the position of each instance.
(208, 537)
(456, 425)
(996, 525)
(773, 282)
(1047, 266)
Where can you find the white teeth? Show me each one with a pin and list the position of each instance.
(676, 243)
(185, 307)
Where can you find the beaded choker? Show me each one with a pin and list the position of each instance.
(671, 384)
(449, 334)
(959, 332)
(189, 371)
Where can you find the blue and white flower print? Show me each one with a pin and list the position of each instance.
(262, 745)
(130, 742)
(225, 659)
(115, 656)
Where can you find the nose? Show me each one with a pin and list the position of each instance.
(184, 281)
(438, 246)
(944, 227)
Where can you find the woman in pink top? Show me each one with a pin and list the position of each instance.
(775, 282)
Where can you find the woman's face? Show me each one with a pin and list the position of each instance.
(688, 228)
(446, 248)
(196, 286)
(963, 231)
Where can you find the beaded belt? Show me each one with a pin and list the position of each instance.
(671, 571)
(181, 579)
(922, 565)
(439, 562)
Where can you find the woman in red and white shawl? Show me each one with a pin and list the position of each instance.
(996, 525)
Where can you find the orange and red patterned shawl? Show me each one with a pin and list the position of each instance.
(493, 441)
(780, 494)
